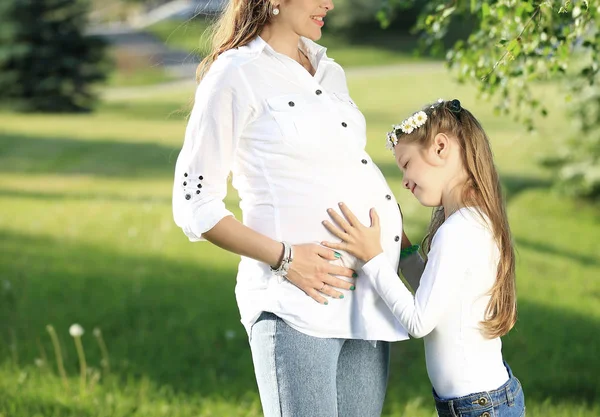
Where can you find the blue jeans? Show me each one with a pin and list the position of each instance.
(301, 376)
(506, 401)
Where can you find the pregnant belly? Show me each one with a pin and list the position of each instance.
(299, 220)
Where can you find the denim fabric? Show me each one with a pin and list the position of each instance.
(506, 401)
(304, 376)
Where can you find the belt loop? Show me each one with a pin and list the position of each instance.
(510, 398)
(451, 407)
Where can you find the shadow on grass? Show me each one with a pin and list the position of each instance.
(83, 196)
(108, 158)
(515, 184)
(177, 324)
(556, 252)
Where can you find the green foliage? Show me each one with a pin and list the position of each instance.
(47, 64)
(517, 42)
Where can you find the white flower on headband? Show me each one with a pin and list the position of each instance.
(392, 139)
(419, 119)
(407, 127)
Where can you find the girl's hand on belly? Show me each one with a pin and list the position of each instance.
(312, 272)
(359, 240)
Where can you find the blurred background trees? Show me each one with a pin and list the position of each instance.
(47, 63)
(513, 46)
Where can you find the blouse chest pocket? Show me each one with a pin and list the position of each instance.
(296, 117)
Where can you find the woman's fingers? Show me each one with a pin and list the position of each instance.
(341, 271)
(328, 254)
(332, 245)
(330, 291)
(340, 283)
(316, 295)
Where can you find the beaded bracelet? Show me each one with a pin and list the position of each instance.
(406, 252)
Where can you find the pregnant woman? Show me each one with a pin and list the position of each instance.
(275, 111)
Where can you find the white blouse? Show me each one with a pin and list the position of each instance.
(295, 144)
(449, 305)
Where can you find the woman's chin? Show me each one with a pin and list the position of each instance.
(313, 34)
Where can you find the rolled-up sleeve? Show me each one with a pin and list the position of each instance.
(222, 108)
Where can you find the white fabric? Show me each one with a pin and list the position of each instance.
(296, 146)
(449, 304)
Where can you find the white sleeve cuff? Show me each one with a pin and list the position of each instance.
(204, 218)
(375, 265)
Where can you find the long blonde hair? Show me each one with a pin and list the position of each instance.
(483, 190)
(239, 23)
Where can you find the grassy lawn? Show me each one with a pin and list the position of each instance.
(87, 237)
(138, 77)
(379, 49)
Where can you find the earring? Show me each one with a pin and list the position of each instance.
(275, 11)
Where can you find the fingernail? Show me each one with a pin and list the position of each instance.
(341, 296)
(337, 255)
(326, 303)
(353, 288)
(341, 204)
(354, 275)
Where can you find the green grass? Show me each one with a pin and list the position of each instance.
(139, 77)
(379, 49)
(87, 237)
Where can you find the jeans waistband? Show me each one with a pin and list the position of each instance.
(504, 394)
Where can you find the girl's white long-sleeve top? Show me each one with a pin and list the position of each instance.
(450, 304)
(295, 144)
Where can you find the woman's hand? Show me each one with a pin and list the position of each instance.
(359, 240)
(312, 272)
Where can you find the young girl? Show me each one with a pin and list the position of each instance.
(465, 299)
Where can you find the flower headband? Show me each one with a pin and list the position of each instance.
(415, 121)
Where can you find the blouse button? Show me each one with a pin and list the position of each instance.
(318, 92)
(389, 197)
(185, 183)
(185, 175)
(197, 191)
(364, 161)
(397, 239)
(200, 177)
(292, 104)
(199, 185)
(344, 124)
(187, 196)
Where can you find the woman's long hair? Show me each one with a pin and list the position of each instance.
(239, 23)
(483, 190)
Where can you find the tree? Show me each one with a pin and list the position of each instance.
(47, 64)
(516, 42)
